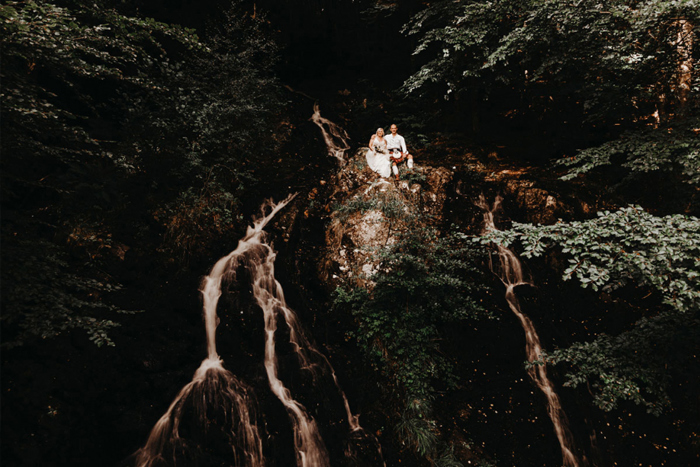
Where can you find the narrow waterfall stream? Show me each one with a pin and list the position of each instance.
(510, 272)
(269, 295)
(335, 137)
(310, 449)
(362, 446)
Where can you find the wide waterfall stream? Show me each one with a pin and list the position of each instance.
(216, 399)
(214, 391)
(510, 271)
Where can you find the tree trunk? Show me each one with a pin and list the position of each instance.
(684, 74)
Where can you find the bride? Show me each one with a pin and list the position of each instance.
(378, 156)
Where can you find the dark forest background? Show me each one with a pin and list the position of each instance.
(139, 137)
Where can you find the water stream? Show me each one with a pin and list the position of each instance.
(216, 399)
(510, 272)
(335, 137)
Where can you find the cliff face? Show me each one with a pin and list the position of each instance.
(370, 211)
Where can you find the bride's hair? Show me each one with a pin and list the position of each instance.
(380, 128)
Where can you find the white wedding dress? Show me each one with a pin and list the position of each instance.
(378, 159)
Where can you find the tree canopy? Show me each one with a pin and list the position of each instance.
(108, 118)
(615, 64)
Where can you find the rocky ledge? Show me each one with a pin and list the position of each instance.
(369, 212)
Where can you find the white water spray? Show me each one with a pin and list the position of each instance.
(335, 137)
(214, 404)
(511, 274)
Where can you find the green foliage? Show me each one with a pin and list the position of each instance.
(424, 282)
(447, 458)
(44, 297)
(212, 207)
(634, 365)
(53, 58)
(417, 429)
(416, 175)
(420, 283)
(616, 64)
(612, 55)
(606, 253)
(132, 96)
(116, 128)
(616, 247)
(646, 150)
(389, 202)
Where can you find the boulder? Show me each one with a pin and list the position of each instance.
(369, 213)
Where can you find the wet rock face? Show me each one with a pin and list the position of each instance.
(536, 205)
(436, 192)
(541, 206)
(371, 211)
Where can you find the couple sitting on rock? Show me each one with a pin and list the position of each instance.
(385, 152)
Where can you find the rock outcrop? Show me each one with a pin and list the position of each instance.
(370, 212)
(535, 204)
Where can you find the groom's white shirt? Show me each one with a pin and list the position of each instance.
(395, 142)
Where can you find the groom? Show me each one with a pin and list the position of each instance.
(397, 148)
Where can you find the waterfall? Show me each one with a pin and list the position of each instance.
(268, 293)
(216, 397)
(309, 447)
(335, 137)
(362, 447)
(511, 274)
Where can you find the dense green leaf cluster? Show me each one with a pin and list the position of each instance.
(611, 251)
(610, 54)
(634, 365)
(424, 282)
(48, 297)
(616, 247)
(674, 149)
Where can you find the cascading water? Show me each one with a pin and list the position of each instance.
(215, 397)
(511, 274)
(268, 292)
(335, 137)
(269, 295)
(214, 405)
(363, 447)
(310, 449)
